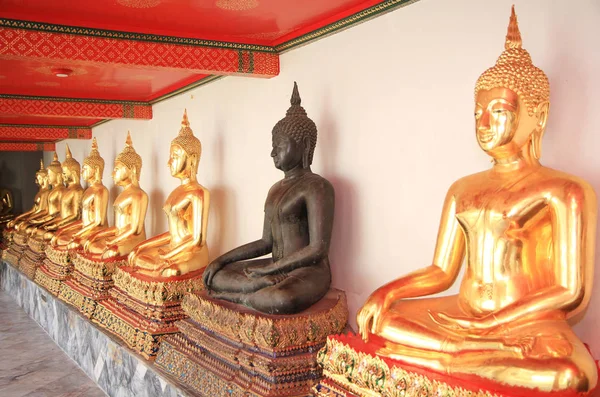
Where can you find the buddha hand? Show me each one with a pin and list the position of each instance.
(369, 316)
(210, 272)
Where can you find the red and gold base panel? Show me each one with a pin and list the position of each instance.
(352, 368)
(32, 256)
(142, 310)
(55, 269)
(232, 350)
(90, 283)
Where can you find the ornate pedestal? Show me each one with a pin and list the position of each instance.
(55, 269)
(226, 349)
(352, 368)
(142, 310)
(90, 283)
(16, 243)
(32, 257)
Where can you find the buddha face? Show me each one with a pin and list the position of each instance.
(87, 173)
(66, 174)
(178, 160)
(52, 177)
(121, 174)
(286, 153)
(39, 179)
(502, 123)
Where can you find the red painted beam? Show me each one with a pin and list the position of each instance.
(16, 132)
(11, 105)
(26, 147)
(201, 56)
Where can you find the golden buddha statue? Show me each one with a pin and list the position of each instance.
(70, 202)
(55, 180)
(94, 203)
(40, 201)
(527, 233)
(183, 248)
(129, 210)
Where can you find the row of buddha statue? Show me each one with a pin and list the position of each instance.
(255, 316)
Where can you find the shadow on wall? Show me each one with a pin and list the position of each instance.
(346, 225)
(222, 210)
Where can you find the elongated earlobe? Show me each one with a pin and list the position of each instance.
(306, 152)
(536, 136)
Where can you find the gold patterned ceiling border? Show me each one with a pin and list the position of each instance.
(112, 34)
(345, 23)
(60, 99)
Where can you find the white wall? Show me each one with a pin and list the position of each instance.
(393, 101)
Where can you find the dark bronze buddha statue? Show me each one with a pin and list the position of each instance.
(297, 231)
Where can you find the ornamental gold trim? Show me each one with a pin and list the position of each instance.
(370, 376)
(158, 292)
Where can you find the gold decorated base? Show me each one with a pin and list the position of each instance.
(141, 310)
(37, 245)
(352, 368)
(20, 238)
(12, 254)
(224, 346)
(90, 283)
(55, 269)
(29, 262)
(16, 244)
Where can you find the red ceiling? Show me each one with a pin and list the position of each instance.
(34, 77)
(246, 21)
(266, 23)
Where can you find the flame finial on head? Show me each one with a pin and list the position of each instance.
(515, 70)
(513, 35)
(128, 140)
(42, 170)
(129, 156)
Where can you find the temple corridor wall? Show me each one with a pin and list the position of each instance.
(393, 102)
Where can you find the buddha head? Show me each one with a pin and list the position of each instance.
(93, 165)
(71, 168)
(185, 152)
(55, 175)
(512, 102)
(294, 137)
(41, 175)
(128, 165)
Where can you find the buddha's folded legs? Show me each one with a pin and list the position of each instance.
(545, 353)
(279, 293)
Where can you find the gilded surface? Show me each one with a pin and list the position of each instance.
(97, 269)
(108, 243)
(183, 249)
(526, 234)
(94, 203)
(370, 376)
(267, 332)
(155, 291)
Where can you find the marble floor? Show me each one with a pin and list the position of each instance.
(31, 364)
